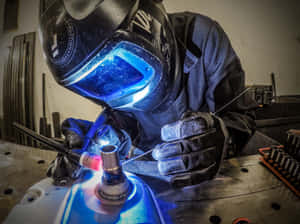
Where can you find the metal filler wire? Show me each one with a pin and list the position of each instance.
(231, 101)
(214, 113)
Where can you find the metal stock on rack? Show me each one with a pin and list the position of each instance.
(18, 88)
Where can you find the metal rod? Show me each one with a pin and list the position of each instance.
(274, 86)
(231, 101)
(137, 157)
(46, 141)
(44, 94)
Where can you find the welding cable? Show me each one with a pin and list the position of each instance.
(53, 145)
(86, 159)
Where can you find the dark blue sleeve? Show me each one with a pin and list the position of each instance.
(220, 62)
(78, 126)
(226, 79)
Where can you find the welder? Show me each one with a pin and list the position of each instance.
(160, 77)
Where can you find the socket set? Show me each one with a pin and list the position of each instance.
(283, 165)
(292, 145)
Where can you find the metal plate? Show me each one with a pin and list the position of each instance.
(243, 189)
(20, 168)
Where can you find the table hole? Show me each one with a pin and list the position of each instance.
(31, 199)
(245, 170)
(214, 219)
(41, 161)
(8, 191)
(275, 206)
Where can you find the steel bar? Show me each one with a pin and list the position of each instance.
(20, 89)
(274, 86)
(6, 96)
(14, 80)
(56, 124)
(44, 140)
(29, 83)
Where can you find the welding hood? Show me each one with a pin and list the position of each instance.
(121, 53)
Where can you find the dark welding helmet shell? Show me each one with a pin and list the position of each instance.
(72, 37)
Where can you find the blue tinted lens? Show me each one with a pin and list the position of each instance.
(113, 76)
(118, 73)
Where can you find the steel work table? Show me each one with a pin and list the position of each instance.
(244, 188)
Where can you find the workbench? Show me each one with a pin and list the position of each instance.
(243, 189)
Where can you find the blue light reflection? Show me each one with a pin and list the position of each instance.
(84, 207)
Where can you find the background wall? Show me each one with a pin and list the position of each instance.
(265, 34)
(58, 99)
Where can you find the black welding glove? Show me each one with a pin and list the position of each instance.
(62, 170)
(193, 148)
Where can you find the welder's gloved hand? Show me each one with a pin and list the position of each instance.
(62, 170)
(193, 148)
(74, 131)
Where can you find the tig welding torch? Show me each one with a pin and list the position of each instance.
(82, 157)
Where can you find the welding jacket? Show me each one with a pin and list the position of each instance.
(212, 76)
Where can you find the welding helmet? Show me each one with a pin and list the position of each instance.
(121, 53)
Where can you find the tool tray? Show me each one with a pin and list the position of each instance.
(283, 165)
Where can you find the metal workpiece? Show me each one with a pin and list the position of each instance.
(243, 188)
(114, 186)
(46, 203)
(110, 157)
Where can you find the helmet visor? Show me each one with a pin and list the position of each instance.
(123, 70)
